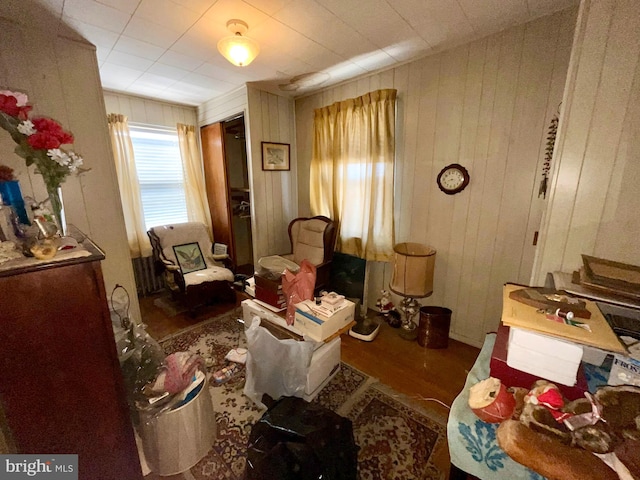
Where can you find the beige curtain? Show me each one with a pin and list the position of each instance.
(352, 172)
(194, 186)
(122, 147)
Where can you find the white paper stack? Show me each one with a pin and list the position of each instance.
(250, 287)
(544, 356)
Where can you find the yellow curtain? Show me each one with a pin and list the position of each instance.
(122, 147)
(352, 167)
(194, 185)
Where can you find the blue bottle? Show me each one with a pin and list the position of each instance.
(11, 195)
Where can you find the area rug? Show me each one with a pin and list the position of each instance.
(395, 437)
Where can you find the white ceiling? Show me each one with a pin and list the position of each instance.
(166, 49)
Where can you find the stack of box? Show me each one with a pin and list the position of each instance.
(325, 361)
(268, 289)
(532, 344)
(512, 374)
(545, 356)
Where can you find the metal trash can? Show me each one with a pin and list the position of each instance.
(433, 330)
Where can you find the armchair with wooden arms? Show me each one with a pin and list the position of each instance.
(313, 239)
(198, 287)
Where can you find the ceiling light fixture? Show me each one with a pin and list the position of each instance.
(237, 48)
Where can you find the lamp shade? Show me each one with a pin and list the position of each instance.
(238, 49)
(413, 266)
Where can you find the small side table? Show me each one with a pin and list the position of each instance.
(472, 442)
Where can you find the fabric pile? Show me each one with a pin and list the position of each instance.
(177, 372)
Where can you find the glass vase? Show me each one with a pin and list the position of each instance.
(57, 208)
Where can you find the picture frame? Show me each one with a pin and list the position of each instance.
(276, 156)
(189, 257)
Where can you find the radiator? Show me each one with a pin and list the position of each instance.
(147, 281)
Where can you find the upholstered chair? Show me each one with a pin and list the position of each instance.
(313, 239)
(212, 280)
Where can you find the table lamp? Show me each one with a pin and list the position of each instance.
(413, 267)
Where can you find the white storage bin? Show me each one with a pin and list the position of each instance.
(176, 440)
(323, 365)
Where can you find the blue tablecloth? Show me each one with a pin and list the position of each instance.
(472, 442)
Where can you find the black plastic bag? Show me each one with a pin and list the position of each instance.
(296, 440)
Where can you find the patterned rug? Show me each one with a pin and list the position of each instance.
(395, 437)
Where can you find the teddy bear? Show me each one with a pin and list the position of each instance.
(597, 423)
(557, 438)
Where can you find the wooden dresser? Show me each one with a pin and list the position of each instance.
(61, 387)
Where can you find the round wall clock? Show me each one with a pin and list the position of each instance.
(453, 179)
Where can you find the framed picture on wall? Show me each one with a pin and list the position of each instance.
(275, 156)
(189, 257)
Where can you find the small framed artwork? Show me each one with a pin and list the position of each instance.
(189, 257)
(275, 156)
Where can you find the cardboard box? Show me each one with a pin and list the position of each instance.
(325, 361)
(320, 327)
(561, 351)
(624, 371)
(544, 356)
(512, 377)
(251, 309)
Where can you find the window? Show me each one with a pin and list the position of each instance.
(160, 174)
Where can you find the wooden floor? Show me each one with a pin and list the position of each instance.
(428, 376)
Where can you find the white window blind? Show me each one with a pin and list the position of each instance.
(160, 174)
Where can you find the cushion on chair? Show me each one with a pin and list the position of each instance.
(308, 241)
(199, 287)
(190, 232)
(211, 274)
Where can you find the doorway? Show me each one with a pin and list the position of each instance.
(227, 178)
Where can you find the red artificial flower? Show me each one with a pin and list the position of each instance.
(49, 134)
(9, 105)
(43, 140)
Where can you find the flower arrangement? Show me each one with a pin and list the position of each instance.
(38, 141)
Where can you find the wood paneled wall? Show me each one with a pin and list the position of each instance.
(150, 112)
(59, 72)
(274, 195)
(594, 203)
(223, 107)
(486, 105)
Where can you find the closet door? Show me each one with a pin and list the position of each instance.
(217, 183)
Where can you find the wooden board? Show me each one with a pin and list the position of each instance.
(516, 314)
(545, 298)
(588, 283)
(612, 277)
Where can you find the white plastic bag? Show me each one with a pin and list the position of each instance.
(275, 367)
